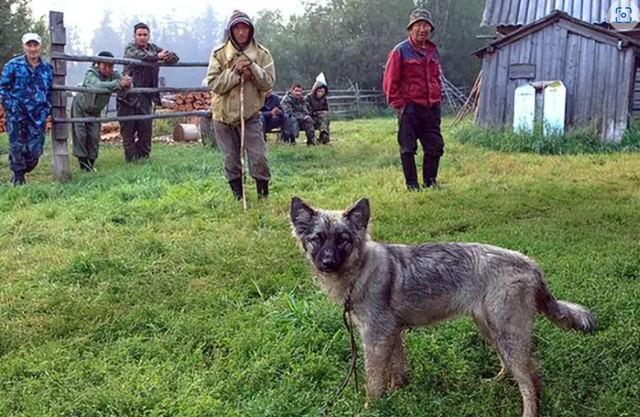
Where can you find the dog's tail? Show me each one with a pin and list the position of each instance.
(567, 315)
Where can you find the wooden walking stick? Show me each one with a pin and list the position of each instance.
(244, 189)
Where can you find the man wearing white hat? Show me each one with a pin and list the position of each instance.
(25, 92)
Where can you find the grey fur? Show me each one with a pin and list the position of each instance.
(394, 287)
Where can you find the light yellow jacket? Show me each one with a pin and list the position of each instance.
(225, 83)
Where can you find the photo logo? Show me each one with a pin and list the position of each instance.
(624, 15)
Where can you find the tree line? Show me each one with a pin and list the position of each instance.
(348, 40)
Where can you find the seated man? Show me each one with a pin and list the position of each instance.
(271, 114)
(319, 107)
(297, 116)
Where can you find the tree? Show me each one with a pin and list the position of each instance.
(105, 37)
(15, 20)
(350, 39)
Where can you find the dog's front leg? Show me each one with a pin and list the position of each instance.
(378, 348)
(398, 376)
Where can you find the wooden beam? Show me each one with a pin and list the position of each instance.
(59, 132)
(123, 61)
(133, 90)
(170, 115)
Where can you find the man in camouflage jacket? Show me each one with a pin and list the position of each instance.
(25, 92)
(297, 116)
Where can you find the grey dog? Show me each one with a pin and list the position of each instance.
(394, 287)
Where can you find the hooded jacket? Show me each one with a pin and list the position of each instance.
(93, 103)
(225, 83)
(317, 104)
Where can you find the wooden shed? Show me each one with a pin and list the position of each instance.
(597, 66)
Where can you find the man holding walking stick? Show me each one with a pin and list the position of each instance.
(240, 73)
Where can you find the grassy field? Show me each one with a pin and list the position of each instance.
(144, 290)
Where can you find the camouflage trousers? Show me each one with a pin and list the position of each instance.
(321, 122)
(26, 144)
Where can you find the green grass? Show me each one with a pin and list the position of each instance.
(145, 290)
(579, 141)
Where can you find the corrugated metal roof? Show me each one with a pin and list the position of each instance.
(524, 12)
(552, 18)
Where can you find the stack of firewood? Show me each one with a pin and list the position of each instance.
(192, 101)
(110, 132)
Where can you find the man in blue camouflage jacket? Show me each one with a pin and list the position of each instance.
(25, 91)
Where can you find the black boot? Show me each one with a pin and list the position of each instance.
(236, 188)
(92, 164)
(324, 138)
(311, 138)
(18, 179)
(430, 166)
(263, 188)
(84, 164)
(410, 171)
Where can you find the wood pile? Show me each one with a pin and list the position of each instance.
(2, 128)
(110, 132)
(192, 101)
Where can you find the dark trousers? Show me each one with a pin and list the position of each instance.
(26, 144)
(423, 124)
(293, 125)
(269, 122)
(86, 136)
(136, 135)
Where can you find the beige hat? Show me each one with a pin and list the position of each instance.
(28, 37)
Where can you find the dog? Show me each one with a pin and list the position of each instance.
(388, 288)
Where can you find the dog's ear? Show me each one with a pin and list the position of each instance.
(358, 215)
(301, 216)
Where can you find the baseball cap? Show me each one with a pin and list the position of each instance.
(28, 37)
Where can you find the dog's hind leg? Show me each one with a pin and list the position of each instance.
(486, 334)
(512, 330)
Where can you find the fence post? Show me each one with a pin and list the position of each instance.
(358, 108)
(59, 131)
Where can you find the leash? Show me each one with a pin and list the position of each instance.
(353, 367)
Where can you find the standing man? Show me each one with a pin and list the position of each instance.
(86, 136)
(25, 91)
(130, 104)
(241, 56)
(297, 116)
(413, 87)
(272, 115)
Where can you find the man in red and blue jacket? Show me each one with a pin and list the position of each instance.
(413, 86)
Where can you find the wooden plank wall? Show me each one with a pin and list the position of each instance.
(599, 78)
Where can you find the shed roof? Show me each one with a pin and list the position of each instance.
(586, 29)
(524, 12)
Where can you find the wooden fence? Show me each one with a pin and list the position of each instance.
(60, 130)
(345, 104)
